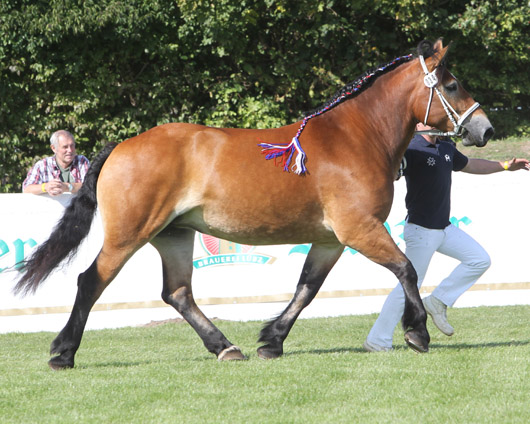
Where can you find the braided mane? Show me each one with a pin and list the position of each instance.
(356, 87)
(351, 90)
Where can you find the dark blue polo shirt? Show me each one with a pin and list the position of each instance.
(428, 176)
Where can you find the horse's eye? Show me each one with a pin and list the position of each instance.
(452, 87)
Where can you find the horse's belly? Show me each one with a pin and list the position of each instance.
(262, 228)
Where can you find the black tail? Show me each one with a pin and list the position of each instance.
(69, 232)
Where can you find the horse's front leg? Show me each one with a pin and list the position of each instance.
(414, 316)
(377, 245)
(320, 260)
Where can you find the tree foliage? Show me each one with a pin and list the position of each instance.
(109, 69)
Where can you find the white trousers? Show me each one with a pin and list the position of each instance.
(421, 243)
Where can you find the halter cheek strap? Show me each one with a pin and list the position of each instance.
(431, 81)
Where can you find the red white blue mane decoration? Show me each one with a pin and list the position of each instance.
(286, 151)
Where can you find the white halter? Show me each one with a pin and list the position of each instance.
(431, 81)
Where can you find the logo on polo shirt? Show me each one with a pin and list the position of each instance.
(431, 161)
(447, 158)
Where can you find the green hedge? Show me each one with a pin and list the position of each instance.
(107, 70)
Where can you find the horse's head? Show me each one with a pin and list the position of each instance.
(444, 104)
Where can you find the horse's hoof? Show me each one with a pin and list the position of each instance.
(57, 363)
(269, 352)
(232, 353)
(416, 343)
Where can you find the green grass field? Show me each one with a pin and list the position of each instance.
(163, 374)
(502, 149)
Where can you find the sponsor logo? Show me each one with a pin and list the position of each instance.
(223, 252)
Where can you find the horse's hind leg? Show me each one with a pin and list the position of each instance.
(319, 262)
(90, 285)
(175, 246)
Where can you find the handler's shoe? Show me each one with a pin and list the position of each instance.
(372, 347)
(438, 312)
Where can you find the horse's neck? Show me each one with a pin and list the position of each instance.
(383, 113)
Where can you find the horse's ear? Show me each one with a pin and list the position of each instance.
(437, 58)
(438, 45)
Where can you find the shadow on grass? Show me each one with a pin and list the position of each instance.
(293, 353)
(480, 345)
(325, 351)
(131, 364)
(457, 346)
(113, 364)
(341, 350)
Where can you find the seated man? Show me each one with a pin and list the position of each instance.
(63, 172)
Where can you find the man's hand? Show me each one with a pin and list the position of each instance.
(56, 187)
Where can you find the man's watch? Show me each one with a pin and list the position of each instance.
(70, 187)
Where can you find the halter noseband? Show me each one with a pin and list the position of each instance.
(431, 81)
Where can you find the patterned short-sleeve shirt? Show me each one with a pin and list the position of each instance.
(47, 169)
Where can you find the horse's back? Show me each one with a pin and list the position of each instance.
(216, 181)
(212, 179)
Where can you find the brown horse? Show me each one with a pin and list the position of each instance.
(163, 185)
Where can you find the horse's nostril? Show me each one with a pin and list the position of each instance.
(488, 134)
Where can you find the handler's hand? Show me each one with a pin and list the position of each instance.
(516, 164)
